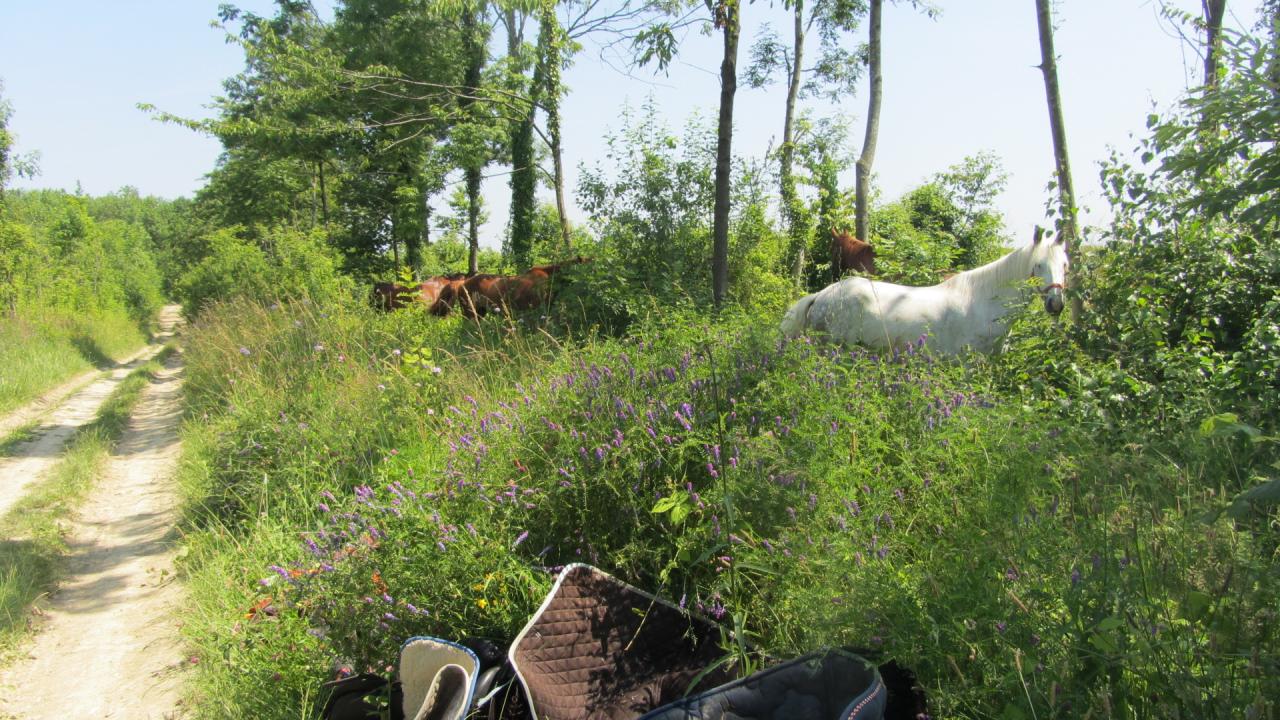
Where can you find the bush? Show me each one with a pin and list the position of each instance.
(284, 264)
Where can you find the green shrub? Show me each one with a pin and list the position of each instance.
(284, 263)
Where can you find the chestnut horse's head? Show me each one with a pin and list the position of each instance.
(849, 253)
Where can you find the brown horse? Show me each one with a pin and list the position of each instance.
(394, 296)
(389, 296)
(481, 294)
(850, 253)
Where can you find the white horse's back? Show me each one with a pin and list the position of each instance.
(967, 311)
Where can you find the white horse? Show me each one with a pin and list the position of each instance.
(967, 310)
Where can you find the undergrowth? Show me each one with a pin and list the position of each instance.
(357, 479)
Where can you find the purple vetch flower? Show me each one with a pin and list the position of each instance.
(711, 470)
(1010, 574)
(322, 507)
(683, 422)
(520, 538)
(600, 454)
(244, 351)
(1000, 626)
(279, 571)
(683, 598)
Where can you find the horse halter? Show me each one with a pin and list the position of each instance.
(1052, 286)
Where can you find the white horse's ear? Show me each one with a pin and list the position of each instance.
(1038, 234)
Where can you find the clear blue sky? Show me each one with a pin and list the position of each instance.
(75, 70)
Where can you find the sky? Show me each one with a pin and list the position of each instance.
(75, 70)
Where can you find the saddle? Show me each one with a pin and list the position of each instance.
(600, 649)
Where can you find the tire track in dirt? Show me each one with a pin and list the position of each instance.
(33, 458)
(108, 646)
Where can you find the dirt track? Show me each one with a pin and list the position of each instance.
(108, 645)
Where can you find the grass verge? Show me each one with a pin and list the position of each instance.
(34, 548)
(39, 351)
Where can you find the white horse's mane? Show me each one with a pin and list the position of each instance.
(986, 280)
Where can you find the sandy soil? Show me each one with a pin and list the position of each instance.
(108, 645)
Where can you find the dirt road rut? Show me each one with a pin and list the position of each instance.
(108, 646)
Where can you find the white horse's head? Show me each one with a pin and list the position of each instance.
(1049, 264)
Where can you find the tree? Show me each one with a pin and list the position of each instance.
(972, 186)
(862, 175)
(524, 172)
(553, 45)
(727, 20)
(1214, 11)
(10, 164)
(836, 72)
(1057, 127)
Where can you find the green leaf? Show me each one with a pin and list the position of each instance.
(1258, 497)
(665, 504)
(1196, 605)
(1109, 624)
(1225, 425)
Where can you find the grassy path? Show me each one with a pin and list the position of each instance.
(99, 515)
(32, 459)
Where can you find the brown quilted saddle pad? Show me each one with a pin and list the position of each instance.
(600, 648)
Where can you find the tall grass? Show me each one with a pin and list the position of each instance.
(356, 479)
(34, 549)
(43, 348)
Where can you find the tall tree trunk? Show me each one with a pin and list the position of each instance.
(557, 156)
(474, 50)
(862, 178)
(786, 158)
(426, 220)
(1214, 11)
(473, 220)
(524, 178)
(550, 44)
(726, 15)
(324, 198)
(1066, 189)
